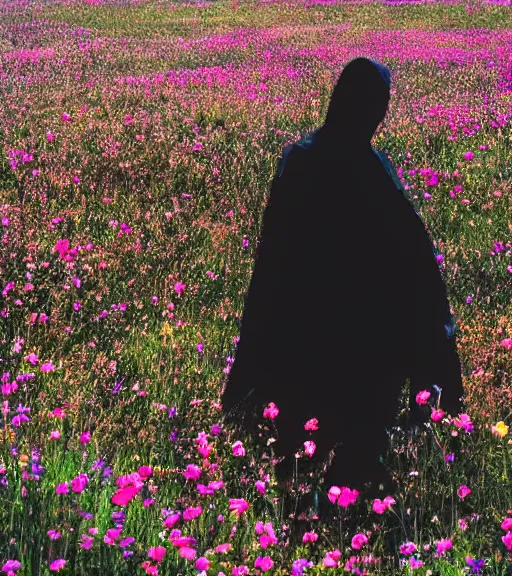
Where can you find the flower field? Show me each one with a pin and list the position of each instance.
(138, 141)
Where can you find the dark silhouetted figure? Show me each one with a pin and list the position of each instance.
(346, 299)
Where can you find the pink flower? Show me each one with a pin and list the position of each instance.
(347, 497)
(408, 548)
(202, 563)
(380, 506)
(53, 534)
(469, 156)
(271, 411)
(62, 488)
(238, 505)
(47, 367)
(310, 537)
(464, 421)
(507, 540)
(507, 524)
(422, 397)
(192, 513)
(157, 554)
(125, 495)
(507, 343)
(413, 563)
(145, 472)
(79, 483)
(331, 559)
(463, 491)
(333, 494)
(187, 553)
(309, 448)
(192, 472)
(55, 435)
(358, 541)
(179, 287)
(264, 564)
(57, 565)
(87, 542)
(311, 424)
(443, 546)
(223, 548)
(172, 519)
(260, 486)
(85, 437)
(11, 566)
(437, 414)
(238, 449)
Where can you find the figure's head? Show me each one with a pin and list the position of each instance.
(360, 99)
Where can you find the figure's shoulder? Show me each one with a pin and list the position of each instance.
(291, 154)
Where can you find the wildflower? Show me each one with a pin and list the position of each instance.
(507, 343)
(79, 483)
(507, 540)
(443, 546)
(238, 449)
(157, 554)
(358, 541)
(11, 566)
(408, 548)
(223, 548)
(380, 506)
(475, 565)
(125, 495)
(202, 563)
(179, 287)
(437, 414)
(57, 565)
(192, 513)
(145, 472)
(299, 565)
(331, 559)
(264, 564)
(311, 424)
(47, 367)
(238, 505)
(413, 563)
(87, 542)
(463, 491)
(125, 542)
(85, 437)
(333, 493)
(62, 488)
(260, 486)
(53, 534)
(245, 242)
(422, 397)
(506, 524)
(347, 497)
(187, 553)
(192, 472)
(271, 411)
(450, 457)
(469, 156)
(464, 421)
(172, 519)
(310, 537)
(309, 448)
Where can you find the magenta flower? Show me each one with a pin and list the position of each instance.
(192, 472)
(464, 421)
(188, 553)
(271, 411)
(57, 565)
(179, 287)
(125, 495)
(408, 548)
(331, 559)
(11, 566)
(311, 424)
(260, 486)
(85, 437)
(145, 472)
(223, 548)
(172, 519)
(334, 493)
(310, 537)
(443, 546)
(238, 449)
(507, 540)
(47, 367)
(506, 524)
(463, 491)
(358, 541)
(413, 563)
(192, 513)
(469, 156)
(422, 397)
(507, 343)
(79, 483)
(347, 497)
(87, 542)
(202, 564)
(54, 535)
(238, 505)
(62, 488)
(157, 554)
(437, 414)
(264, 564)
(309, 448)
(380, 506)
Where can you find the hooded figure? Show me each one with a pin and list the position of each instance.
(346, 299)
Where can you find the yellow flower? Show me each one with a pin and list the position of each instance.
(166, 329)
(500, 429)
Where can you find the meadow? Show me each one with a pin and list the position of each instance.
(138, 140)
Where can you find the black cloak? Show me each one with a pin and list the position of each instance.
(346, 298)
